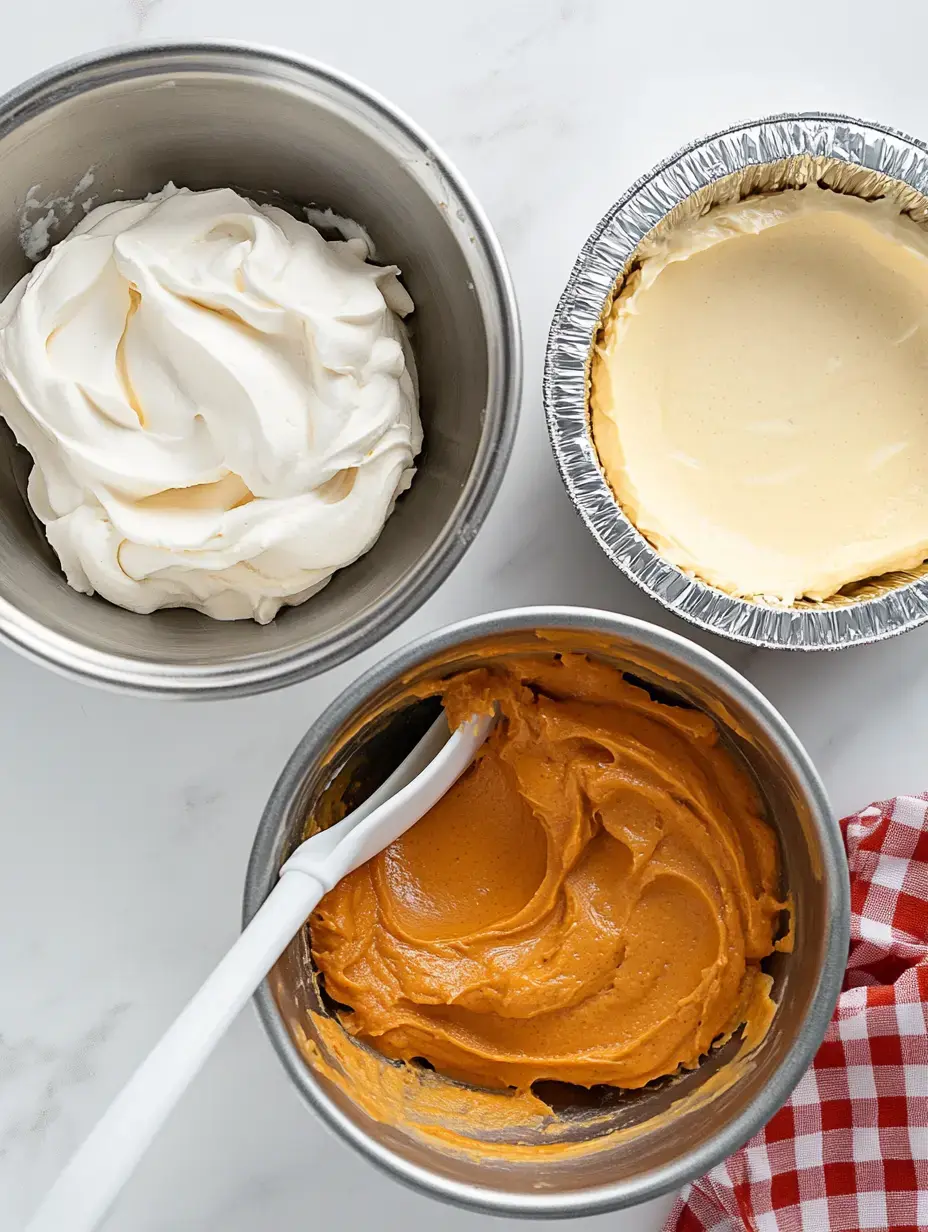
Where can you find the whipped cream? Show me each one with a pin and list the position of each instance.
(221, 404)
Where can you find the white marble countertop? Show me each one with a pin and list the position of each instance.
(126, 824)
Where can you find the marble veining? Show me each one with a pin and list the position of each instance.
(36, 1077)
(126, 824)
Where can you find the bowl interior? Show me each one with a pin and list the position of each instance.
(667, 1126)
(283, 133)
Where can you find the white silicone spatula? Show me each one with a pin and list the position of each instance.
(84, 1192)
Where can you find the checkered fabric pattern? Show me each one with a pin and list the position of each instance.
(850, 1148)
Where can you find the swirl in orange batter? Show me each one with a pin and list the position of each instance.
(590, 903)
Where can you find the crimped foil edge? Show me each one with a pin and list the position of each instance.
(601, 263)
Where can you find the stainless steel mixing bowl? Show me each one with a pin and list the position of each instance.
(282, 129)
(666, 1151)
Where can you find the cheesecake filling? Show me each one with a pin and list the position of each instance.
(759, 394)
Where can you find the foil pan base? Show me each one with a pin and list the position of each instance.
(784, 151)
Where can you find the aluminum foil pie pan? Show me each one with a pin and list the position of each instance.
(784, 151)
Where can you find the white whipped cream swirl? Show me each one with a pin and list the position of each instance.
(220, 403)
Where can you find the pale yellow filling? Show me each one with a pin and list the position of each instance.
(759, 395)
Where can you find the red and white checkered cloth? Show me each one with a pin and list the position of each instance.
(850, 1148)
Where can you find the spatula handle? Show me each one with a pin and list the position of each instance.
(88, 1186)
